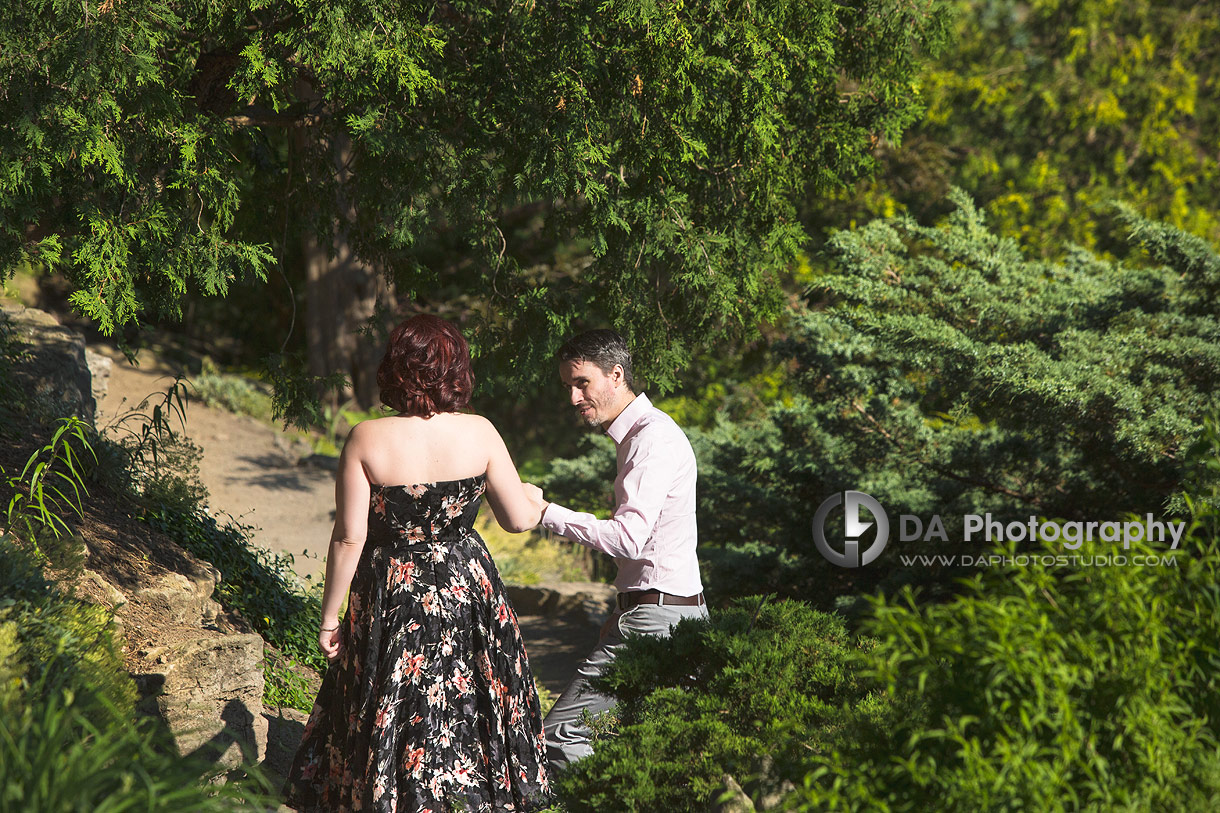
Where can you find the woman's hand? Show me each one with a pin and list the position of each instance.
(534, 494)
(330, 640)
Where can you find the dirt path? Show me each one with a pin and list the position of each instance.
(251, 470)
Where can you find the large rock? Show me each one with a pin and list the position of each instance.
(182, 599)
(52, 371)
(209, 691)
(100, 368)
(592, 601)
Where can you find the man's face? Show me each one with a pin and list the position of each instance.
(592, 392)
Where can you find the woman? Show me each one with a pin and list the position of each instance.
(428, 703)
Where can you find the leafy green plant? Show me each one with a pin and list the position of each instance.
(234, 393)
(56, 757)
(59, 643)
(1047, 687)
(637, 158)
(531, 558)
(285, 685)
(295, 392)
(50, 486)
(148, 456)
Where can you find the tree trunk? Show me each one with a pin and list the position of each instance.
(342, 295)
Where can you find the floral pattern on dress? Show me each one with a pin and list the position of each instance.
(431, 705)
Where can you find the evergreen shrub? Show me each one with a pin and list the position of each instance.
(943, 371)
(748, 695)
(1048, 687)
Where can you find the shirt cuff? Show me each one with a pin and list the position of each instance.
(555, 518)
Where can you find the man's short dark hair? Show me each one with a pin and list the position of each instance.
(604, 348)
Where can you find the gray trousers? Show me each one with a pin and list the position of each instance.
(567, 737)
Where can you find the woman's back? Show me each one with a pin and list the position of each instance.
(411, 450)
(404, 451)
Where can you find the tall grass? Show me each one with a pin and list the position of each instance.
(56, 756)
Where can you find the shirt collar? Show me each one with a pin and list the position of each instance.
(631, 414)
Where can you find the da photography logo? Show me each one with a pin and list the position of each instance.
(853, 529)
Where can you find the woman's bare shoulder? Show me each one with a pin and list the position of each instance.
(370, 431)
(473, 421)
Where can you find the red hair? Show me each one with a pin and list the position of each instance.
(426, 367)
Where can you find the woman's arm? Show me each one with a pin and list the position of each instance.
(352, 492)
(513, 508)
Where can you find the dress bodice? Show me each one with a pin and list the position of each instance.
(424, 513)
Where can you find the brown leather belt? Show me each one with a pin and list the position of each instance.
(635, 598)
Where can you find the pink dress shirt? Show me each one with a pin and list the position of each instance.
(652, 535)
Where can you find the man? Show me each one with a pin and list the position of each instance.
(652, 534)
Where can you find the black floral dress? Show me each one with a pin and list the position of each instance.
(431, 705)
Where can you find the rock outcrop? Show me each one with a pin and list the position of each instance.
(196, 669)
(209, 690)
(204, 682)
(53, 375)
(592, 601)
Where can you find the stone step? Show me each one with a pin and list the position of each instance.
(182, 599)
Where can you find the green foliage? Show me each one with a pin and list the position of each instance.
(156, 149)
(1089, 688)
(294, 395)
(56, 758)
(232, 392)
(152, 461)
(11, 349)
(585, 483)
(945, 373)
(1202, 484)
(50, 485)
(533, 558)
(68, 736)
(748, 695)
(62, 643)
(285, 685)
(1043, 111)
